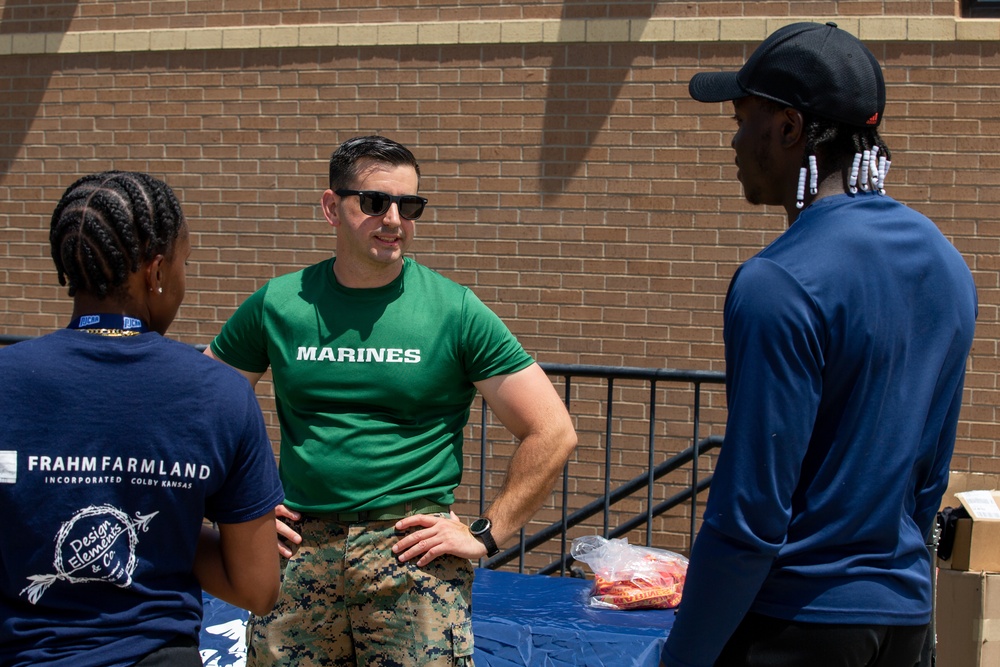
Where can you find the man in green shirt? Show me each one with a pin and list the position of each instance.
(375, 361)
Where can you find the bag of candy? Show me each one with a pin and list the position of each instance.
(631, 577)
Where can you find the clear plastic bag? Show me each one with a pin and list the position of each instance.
(631, 577)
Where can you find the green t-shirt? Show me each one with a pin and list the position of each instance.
(372, 386)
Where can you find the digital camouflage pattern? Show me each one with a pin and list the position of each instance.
(346, 600)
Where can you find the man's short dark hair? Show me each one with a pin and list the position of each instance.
(344, 161)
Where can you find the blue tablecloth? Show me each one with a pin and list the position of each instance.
(518, 620)
(522, 619)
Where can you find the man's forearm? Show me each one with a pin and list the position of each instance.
(531, 476)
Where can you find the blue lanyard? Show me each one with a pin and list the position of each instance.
(105, 321)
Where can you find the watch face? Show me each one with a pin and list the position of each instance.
(480, 526)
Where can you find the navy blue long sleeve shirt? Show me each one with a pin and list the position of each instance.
(846, 344)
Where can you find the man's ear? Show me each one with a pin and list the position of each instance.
(330, 200)
(792, 127)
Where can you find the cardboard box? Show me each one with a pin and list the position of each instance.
(977, 540)
(967, 481)
(968, 619)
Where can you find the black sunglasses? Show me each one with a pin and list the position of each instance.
(374, 202)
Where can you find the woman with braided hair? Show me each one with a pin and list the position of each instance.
(112, 231)
(117, 444)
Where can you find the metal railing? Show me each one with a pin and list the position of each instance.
(689, 456)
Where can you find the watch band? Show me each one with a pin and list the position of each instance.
(491, 545)
(480, 529)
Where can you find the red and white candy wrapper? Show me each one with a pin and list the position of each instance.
(631, 577)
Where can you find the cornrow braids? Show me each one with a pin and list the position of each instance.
(835, 141)
(344, 163)
(107, 225)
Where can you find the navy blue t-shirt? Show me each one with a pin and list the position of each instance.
(112, 453)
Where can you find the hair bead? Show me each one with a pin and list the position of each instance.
(813, 175)
(855, 167)
(863, 173)
(883, 169)
(873, 168)
(800, 193)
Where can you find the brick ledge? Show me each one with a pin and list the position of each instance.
(738, 29)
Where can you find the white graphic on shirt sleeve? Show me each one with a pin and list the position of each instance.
(97, 544)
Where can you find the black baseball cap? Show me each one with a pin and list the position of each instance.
(813, 67)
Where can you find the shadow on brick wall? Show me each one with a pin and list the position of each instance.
(577, 105)
(27, 87)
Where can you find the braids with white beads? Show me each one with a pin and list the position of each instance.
(835, 141)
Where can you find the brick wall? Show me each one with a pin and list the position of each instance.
(573, 184)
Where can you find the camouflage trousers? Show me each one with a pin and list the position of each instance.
(346, 600)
